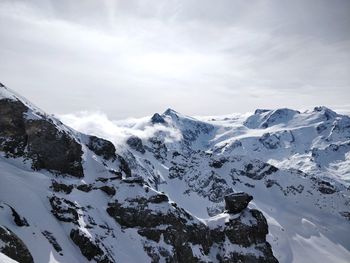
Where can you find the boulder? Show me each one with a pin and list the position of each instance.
(236, 202)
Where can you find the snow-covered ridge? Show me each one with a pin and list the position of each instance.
(70, 197)
(296, 165)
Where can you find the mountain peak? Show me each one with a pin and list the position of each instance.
(157, 118)
(170, 112)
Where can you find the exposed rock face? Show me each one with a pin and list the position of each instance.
(52, 149)
(64, 210)
(13, 247)
(156, 118)
(38, 140)
(158, 148)
(156, 219)
(258, 170)
(19, 221)
(13, 138)
(60, 187)
(109, 190)
(236, 202)
(102, 147)
(218, 163)
(52, 240)
(250, 227)
(88, 248)
(136, 144)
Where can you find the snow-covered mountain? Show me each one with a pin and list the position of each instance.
(170, 188)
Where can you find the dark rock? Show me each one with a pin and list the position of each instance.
(109, 190)
(124, 166)
(158, 148)
(13, 246)
(236, 202)
(176, 171)
(88, 248)
(326, 188)
(181, 231)
(218, 163)
(39, 140)
(52, 240)
(85, 187)
(346, 215)
(156, 118)
(64, 210)
(118, 174)
(19, 221)
(52, 149)
(214, 187)
(13, 138)
(176, 227)
(136, 144)
(247, 229)
(60, 187)
(259, 111)
(102, 179)
(102, 147)
(258, 170)
(134, 180)
(150, 233)
(159, 198)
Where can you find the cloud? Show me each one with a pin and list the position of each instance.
(98, 124)
(134, 58)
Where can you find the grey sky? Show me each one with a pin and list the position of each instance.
(131, 58)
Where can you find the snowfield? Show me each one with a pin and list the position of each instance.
(296, 165)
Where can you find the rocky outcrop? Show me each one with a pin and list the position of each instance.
(64, 210)
(13, 247)
(13, 138)
(257, 170)
(19, 221)
(102, 147)
(109, 190)
(88, 248)
(156, 219)
(136, 144)
(61, 187)
(38, 139)
(52, 240)
(158, 148)
(236, 202)
(326, 187)
(156, 118)
(52, 149)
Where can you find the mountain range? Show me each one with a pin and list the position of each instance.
(271, 186)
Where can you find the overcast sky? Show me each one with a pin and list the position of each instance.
(132, 58)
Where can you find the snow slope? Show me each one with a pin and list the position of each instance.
(295, 164)
(70, 197)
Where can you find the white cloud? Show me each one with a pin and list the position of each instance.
(98, 124)
(134, 58)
